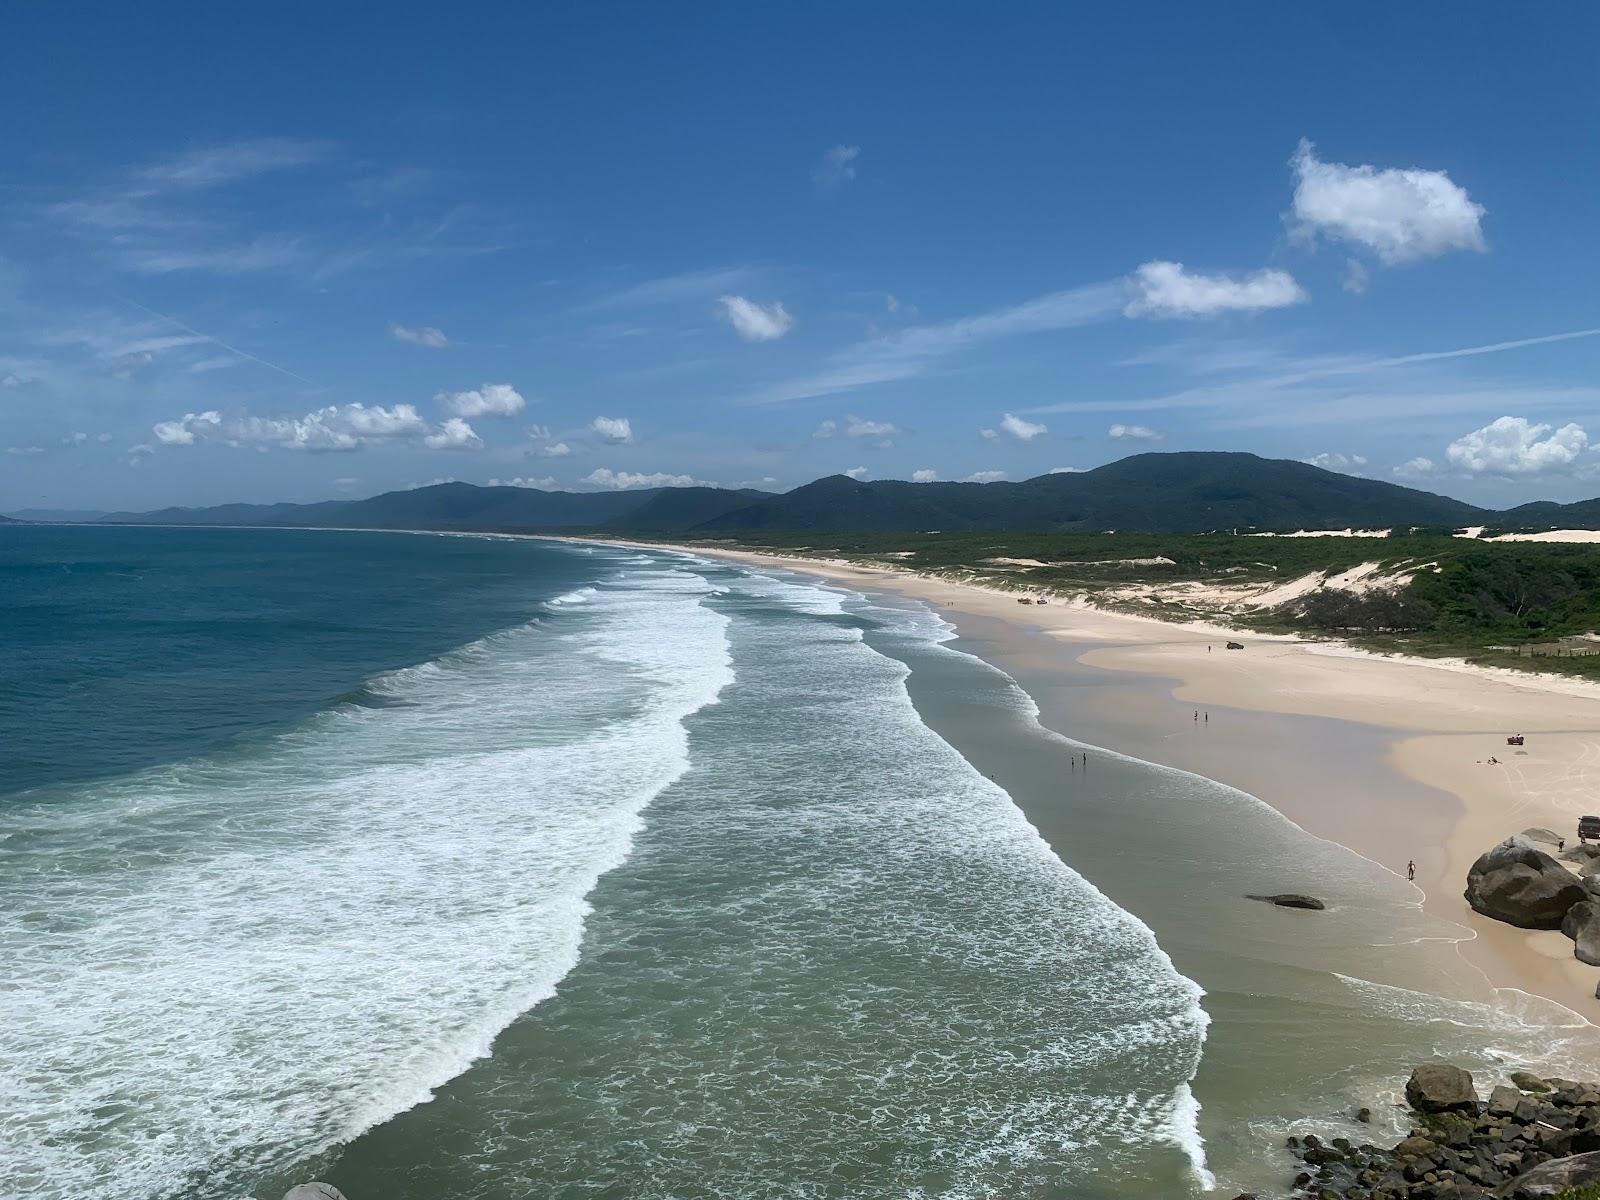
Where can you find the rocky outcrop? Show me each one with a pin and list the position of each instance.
(1439, 1088)
(1532, 1141)
(1554, 1177)
(1290, 900)
(1548, 837)
(313, 1191)
(1520, 884)
(1582, 925)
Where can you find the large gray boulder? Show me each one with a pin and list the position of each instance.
(313, 1191)
(1440, 1088)
(1548, 837)
(1520, 884)
(1553, 1177)
(1289, 900)
(1582, 925)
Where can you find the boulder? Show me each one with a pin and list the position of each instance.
(1290, 900)
(1503, 1101)
(1529, 1082)
(1547, 836)
(1582, 925)
(1438, 1088)
(313, 1191)
(1520, 884)
(1553, 1177)
(1583, 852)
(1590, 884)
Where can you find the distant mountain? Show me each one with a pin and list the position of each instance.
(1188, 492)
(465, 506)
(56, 514)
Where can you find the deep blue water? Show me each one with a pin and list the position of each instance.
(127, 647)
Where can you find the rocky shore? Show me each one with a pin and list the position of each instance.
(1530, 1139)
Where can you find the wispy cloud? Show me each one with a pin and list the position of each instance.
(672, 289)
(837, 168)
(917, 350)
(419, 335)
(756, 322)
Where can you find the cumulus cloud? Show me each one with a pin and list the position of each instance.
(989, 435)
(1401, 215)
(1516, 446)
(1134, 433)
(837, 168)
(755, 322)
(454, 434)
(491, 400)
(1065, 471)
(984, 477)
(615, 430)
(925, 475)
(334, 428)
(553, 450)
(1023, 431)
(1334, 461)
(619, 480)
(1168, 289)
(74, 439)
(858, 473)
(419, 335)
(544, 485)
(826, 429)
(1415, 468)
(860, 427)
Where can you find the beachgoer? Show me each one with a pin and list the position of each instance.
(1197, 714)
(1411, 870)
(1561, 844)
(1208, 716)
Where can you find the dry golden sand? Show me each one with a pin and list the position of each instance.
(1445, 720)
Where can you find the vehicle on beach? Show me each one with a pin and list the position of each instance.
(1234, 646)
(1588, 829)
(1516, 739)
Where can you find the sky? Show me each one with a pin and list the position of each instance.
(300, 252)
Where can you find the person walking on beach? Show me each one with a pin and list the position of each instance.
(1411, 871)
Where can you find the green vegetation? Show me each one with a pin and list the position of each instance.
(1489, 603)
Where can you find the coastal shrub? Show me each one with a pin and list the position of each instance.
(1381, 610)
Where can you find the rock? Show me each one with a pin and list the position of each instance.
(1290, 900)
(1553, 1177)
(1415, 1146)
(1520, 884)
(1590, 884)
(1582, 853)
(314, 1191)
(1438, 1088)
(1548, 836)
(1503, 1101)
(1529, 1082)
(1582, 925)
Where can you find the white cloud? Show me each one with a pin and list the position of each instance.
(553, 450)
(102, 437)
(891, 303)
(925, 475)
(837, 168)
(1334, 461)
(858, 473)
(346, 481)
(215, 166)
(220, 363)
(12, 380)
(1415, 468)
(826, 429)
(1355, 277)
(25, 450)
(859, 427)
(754, 322)
(419, 335)
(1023, 431)
(491, 400)
(984, 477)
(1516, 446)
(1401, 215)
(334, 428)
(454, 434)
(616, 430)
(989, 435)
(1065, 471)
(182, 432)
(1167, 289)
(619, 480)
(1134, 433)
(74, 439)
(546, 484)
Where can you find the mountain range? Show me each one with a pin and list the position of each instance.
(1183, 492)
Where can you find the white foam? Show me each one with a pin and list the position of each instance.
(217, 966)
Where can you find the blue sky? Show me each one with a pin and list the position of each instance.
(290, 252)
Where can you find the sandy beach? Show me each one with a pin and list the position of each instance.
(1432, 797)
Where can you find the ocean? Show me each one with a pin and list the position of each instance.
(489, 868)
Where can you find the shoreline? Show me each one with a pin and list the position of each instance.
(1439, 723)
